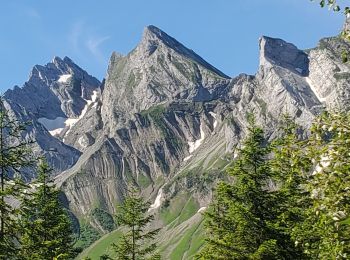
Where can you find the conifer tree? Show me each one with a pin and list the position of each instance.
(46, 228)
(290, 165)
(14, 156)
(136, 242)
(238, 223)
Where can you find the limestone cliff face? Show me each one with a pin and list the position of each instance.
(54, 94)
(165, 120)
(329, 76)
(166, 116)
(158, 70)
(58, 89)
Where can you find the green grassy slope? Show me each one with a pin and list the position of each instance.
(102, 246)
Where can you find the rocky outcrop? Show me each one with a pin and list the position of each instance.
(158, 70)
(329, 76)
(52, 100)
(168, 112)
(164, 119)
(58, 89)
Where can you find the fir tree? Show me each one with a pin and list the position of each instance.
(290, 165)
(137, 242)
(241, 222)
(14, 156)
(45, 225)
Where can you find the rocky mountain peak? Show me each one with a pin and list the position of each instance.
(57, 61)
(53, 71)
(153, 38)
(151, 31)
(64, 64)
(58, 89)
(277, 52)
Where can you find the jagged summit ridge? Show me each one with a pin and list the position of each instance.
(53, 70)
(277, 52)
(61, 84)
(159, 70)
(153, 36)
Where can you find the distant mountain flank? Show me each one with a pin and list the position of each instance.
(166, 121)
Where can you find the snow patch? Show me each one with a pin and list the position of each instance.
(88, 103)
(214, 116)
(72, 121)
(311, 84)
(187, 158)
(64, 78)
(41, 76)
(201, 209)
(54, 126)
(194, 145)
(81, 142)
(158, 200)
(56, 131)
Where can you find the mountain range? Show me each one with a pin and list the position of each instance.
(168, 122)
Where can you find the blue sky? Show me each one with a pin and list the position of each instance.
(224, 32)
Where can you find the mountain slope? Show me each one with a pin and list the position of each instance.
(185, 142)
(168, 122)
(51, 100)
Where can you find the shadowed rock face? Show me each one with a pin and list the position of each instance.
(276, 52)
(58, 89)
(54, 92)
(166, 118)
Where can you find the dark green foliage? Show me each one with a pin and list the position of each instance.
(87, 236)
(345, 56)
(104, 257)
(136, 242)
(14, 155)
(241, 220)
(304, 214)
(325, 232)
(46, 231)
(104, 219)
(290, 166)
(9, 224)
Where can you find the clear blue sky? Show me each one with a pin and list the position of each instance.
(224, 32)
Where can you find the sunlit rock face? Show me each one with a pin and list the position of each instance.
(164, 109)
(166, 120)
